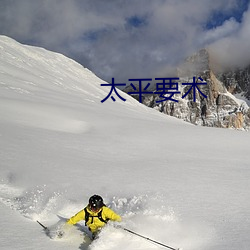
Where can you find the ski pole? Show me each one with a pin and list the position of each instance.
(45, 228)
(146, 238)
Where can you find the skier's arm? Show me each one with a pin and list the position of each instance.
(110, 214)
(77, 217)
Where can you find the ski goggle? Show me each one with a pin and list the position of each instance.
(94, 208)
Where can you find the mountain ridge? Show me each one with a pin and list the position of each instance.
(220, 108)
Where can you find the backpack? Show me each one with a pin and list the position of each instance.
(88, 216)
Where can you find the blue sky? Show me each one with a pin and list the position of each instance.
(218, 17)
(131, 38)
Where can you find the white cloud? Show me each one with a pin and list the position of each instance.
(233, 50)
(229, 27)
(98, 34)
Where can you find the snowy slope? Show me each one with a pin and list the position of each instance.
(179, 184)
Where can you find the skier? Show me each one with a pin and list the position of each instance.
(95, 214)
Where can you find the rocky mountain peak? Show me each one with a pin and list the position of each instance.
(220, 108)
(195, 65)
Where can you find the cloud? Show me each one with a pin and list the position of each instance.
(122, 39)
(226, 29)
(233, 49)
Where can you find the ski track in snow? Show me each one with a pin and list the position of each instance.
(56, 135)
(43, 117)
(145, 214)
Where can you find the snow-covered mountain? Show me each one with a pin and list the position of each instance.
(237, 81)
(182, 185)
(227, 100)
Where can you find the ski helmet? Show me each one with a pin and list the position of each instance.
(95, 202)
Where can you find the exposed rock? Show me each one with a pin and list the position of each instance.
(237, 81)
(219, 109)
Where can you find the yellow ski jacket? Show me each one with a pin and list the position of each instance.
(94, 223)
